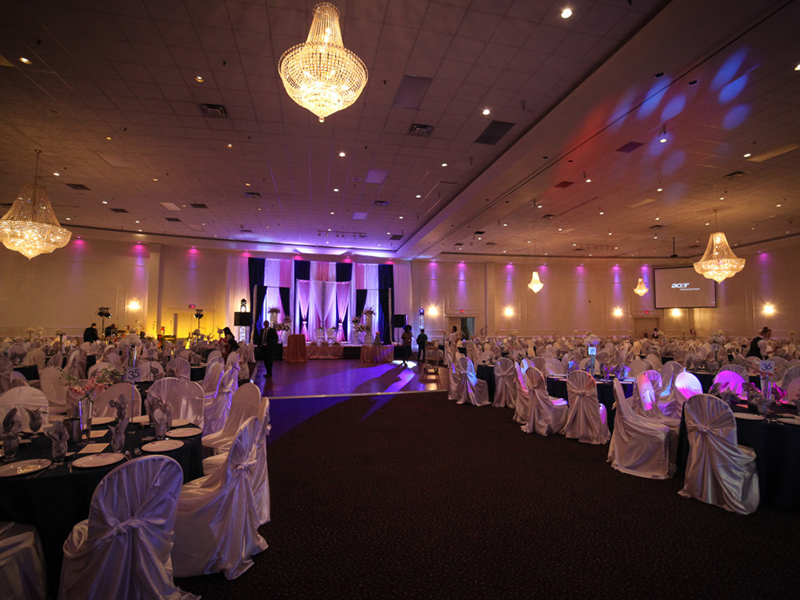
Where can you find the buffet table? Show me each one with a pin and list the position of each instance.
(377, 354)
(54, 500)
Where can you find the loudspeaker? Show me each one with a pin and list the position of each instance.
(398, 321)
(241, 319)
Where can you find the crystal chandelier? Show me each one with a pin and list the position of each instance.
(641, 288)
(719, 262)
(535, 285)
(321, 74)
(30, 227)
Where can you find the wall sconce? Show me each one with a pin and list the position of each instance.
(433, 311)
(769, 309)
(509, 312)
(134, 305)
(618, 312)
(676, 312)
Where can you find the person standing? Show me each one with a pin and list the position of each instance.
(755, 345)
(110, 330)
(422, 343)
(269, 344)
(90, 333)
(406, 339)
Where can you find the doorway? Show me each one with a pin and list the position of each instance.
(644, 327)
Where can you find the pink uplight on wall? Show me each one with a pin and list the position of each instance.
(246, 255)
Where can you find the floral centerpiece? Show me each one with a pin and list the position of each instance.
(30, 331)
(86, 392)
(717, 337)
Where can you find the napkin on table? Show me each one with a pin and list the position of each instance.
(60, 436)
(151, 404)
(118, 433)
(12, 423)
(166, 409)
(119, 404)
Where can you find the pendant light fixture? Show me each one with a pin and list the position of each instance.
(30, 227)
(321, 74)
(719, 262)
(640, 289)
(536, 284)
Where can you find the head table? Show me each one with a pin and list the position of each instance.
(54, 500)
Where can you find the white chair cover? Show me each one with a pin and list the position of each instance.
(217, 524)
(24, 397)
(554, 368)
(654, 360)
(454, 381)
(18, 379)
(187, 401)
(669, 369)
(161, 388)
(540, 362)
(76, 364)
(212, 379)
(56, 360)
(103, 365)
(180, 368)
(522, 398)
(736, 368)
(791, 374)
(505, 383)
(729, 380)
(470, 389)
(718, 470)
(244, 405)
(55, 389)
(214, 355)
(586, 419)
(655, 380)
(36, 357)
(123, 549)
(546, 414)
(22, 574)
(218, 409)
(638, 366)
(639, 446)
(102, 408)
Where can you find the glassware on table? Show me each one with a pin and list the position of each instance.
(161, 429)
(35, 425)
(10, 445)
(59, 451)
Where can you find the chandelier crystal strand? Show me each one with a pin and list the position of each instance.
(321, 74)
(719, 262)
(536, 284)
(30, 227)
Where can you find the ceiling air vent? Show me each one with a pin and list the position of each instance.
(411, 91)
(245, 231)
(564, 184)
(491, 243)
(396, 236)
(549, 217)
(479, 232)
(79, 187)
(173, 219)
(459, 244)
(216, 111)
(252, 194)
(494, 132)
(630, 147)
(734, 175)
(198, 205)
(381, 203)
(656, 227)
(421, 130)
(118, 210)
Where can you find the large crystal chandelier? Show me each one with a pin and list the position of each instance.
(30, 227)
(321, 74)
(536, 284)
(719, 262)
(641, 288)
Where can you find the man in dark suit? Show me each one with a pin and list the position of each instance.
(90, 333)
(267, 345)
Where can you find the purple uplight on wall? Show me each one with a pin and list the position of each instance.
(246, 254)
(193, 250)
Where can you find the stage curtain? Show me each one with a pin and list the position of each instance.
(342, 302)
(303, 293)
(386, 301)
(255, 269)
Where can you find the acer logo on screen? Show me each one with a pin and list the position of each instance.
(680, 285)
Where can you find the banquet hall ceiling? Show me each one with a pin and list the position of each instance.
(111, 98)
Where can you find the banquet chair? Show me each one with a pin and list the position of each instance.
(639, 446)
(212, 379)
(718, 470)
(546, 414)
(22, 573)
(586, 417)
(730, 380)
(540, 362)
(161, 387)
(185, 354)
(655, 380)
(669, 369)
(101, 403)
(244, 404)
(57, 360)
(218, 401)
(123, 549)
(522, 397)
(99, 366)
(180, 368)
(217, 522)
(187, 401)
(683, 385)
(637, 366)
(76, 364)
(55, 389)
(736, 368)
(486, 357)
(453, 381)
(505, 383)
(24, 397)
(789, 376)
(18, 379)
(554, 368)
(36, 357)
(214, 354)
(470, 389)
(654, 360)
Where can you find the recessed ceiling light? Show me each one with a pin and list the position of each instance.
(105, 201)
(722, 197)
(68, 219)
(25, 61)
(230, 145)
(155, 178)
(57, 174)
(400, 217)
(419, 195)
(505, 224)
(663, 139)
(559, 228)
(778, 205)
(247, 185)
(504, 251)
(602, 213)
(199, 79)
(797, 68)
(444, 164)
(529, 241)
(574, 245)
(609, 233)
(388, 233)
(707, 223)
(658, 218)
(108, 137)
(342, 154)
(566, 13)
(655, 237)
(331, 212)
(136, 221)
(335, 189)
(140, 231)
(747, 155)
(486, 111)
(659, 189)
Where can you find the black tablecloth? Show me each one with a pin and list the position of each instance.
(777, 448)
(31, 372)
(198, 373)
(55, 500)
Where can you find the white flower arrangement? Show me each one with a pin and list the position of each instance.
(60, 332)
(273, 310)
(368, 312)
(30, 330)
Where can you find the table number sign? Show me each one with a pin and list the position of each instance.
(767, 367)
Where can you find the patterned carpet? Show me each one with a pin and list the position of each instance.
(422, 498)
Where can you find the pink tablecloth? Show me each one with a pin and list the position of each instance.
(377, 354)
(324, 352)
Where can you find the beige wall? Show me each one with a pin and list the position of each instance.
(64, 290)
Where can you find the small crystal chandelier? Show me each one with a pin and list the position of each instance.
(641, 288)
(321, 74)
(30, 227)
(719, 262)
(535, 285)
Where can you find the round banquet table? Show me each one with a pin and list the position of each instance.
(777, 448)
(54, 500)
(377, 354)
